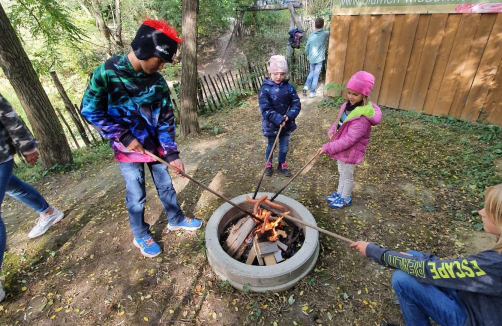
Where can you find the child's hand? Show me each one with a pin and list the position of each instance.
(330, 136)
(286, 118)
(136, 146)
(320, 151)
(360, 246)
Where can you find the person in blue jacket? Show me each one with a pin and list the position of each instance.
(316, 48)
(465, 291)
(279, 106)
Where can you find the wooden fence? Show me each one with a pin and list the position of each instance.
(441, 64)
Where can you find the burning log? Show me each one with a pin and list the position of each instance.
(261, 239)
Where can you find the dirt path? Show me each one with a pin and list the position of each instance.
(86, 271)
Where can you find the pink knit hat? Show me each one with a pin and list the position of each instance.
(277, 63)
(361, 82)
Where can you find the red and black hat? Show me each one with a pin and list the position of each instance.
(155, 38)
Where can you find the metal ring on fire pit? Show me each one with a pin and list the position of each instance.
(273, 278)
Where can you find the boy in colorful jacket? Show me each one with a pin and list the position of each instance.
(128, 102)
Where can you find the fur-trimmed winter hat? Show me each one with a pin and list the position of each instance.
(361, 82)
(277, 63)
(155, 38)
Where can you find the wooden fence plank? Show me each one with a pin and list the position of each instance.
(441, 62)
(390, 61)
(358, 35)
(492, 111)
(427, 61)
(383, 30)
(471, 64)
(485, 74)
(338, 48)
(373, 37)
(416, 54)
(402, 59)
(456, 62)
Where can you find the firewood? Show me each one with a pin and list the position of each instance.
(257, 251)
(267, 247)
(235, 240)
(251, 256)
(278, 256)
(269, 259)
(281, 245)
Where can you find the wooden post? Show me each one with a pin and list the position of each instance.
(222, 87)
(206, 96)
(216, 90)
(69, 106)
(67, 126)
(86, 124)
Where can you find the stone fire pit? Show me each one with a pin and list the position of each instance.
(273, 278)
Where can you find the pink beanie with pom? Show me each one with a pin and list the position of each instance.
(277, 63)
(361, 82)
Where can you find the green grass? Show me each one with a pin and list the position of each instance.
(98, 152)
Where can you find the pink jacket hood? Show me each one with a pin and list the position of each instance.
(350, 141)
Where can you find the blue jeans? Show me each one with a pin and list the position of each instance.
(420, 301)
(134, 175)
(313, 77)
(5, 174)
(283, 148)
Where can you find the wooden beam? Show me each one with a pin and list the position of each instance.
(271, 7)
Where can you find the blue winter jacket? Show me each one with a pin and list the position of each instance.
(277, 100)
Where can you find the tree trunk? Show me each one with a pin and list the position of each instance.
(103, 28)
(70, 108)
(54, 148)
(188, 92)
(118, 29)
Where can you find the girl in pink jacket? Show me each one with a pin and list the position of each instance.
(350, 135)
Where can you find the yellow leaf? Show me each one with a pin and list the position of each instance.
(53, 316)
(145, 318)
(58, 309)
(340, 306)
(305, 308)
(120, 313)
(301, 293)
(365, 302)
(151, 271)
(214, 315)
(77, 310)
(24, 288)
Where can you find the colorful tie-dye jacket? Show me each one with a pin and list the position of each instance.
(125, 105)
(275, 101)
(477, 279)
(13, 133)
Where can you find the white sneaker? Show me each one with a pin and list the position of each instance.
(312, 94)
(45, 222)
(2, 293)
(305, 90)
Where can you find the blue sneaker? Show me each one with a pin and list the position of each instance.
(332, 197)
(189, 224)
(147, 246)
(341, 202)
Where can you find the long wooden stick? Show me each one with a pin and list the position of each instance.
(291, 218)
(266, 163)
(296, 220)
(294, 177)
(201, 184)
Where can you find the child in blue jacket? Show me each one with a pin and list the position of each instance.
(279, 106)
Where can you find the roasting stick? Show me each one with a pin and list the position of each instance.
(268, 160)
(201, 185)
(291, 218)
(294, 177)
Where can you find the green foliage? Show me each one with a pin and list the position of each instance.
(49, 20)
(463, 155)
(97, 153)
(214, 128)
(337, 100)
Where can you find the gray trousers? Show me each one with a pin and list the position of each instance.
(346, 180)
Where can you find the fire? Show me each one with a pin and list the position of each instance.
(269, 223)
